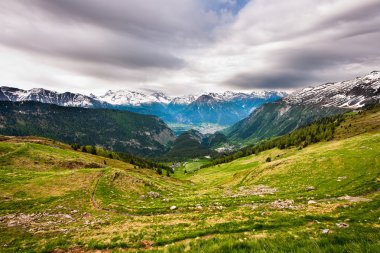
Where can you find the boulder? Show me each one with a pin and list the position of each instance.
(342, 225)
(325, 231)
(153, 195)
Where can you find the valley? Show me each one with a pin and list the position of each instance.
(249, 204)
(204, 128)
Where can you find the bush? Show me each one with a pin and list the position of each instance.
(75, 146)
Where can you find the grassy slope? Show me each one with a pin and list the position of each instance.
(236, 209)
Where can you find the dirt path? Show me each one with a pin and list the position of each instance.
(93, 200)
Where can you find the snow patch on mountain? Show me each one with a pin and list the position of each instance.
(184, 100)
(353, 94)
(45, 96)
(135, 98)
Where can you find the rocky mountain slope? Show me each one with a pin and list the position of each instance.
(305, 106)
(121, 131)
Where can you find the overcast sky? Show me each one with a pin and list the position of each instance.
(186, 46)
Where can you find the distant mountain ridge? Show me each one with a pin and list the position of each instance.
(136, 98)
(304, 106)
(48, 97)
(217, 108)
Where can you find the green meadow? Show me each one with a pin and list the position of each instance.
(321, 198)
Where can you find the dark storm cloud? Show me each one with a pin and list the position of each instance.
(162, 21)
(120, 53)
(366, 11)
(318, 52)
(310, 65)
(269, 80)
(128, 34)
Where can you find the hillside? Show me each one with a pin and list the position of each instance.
(305, 106)
(248, 205)
(190, 144)
(121, 131)
(275, 119)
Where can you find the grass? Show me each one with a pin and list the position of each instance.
(51, 200)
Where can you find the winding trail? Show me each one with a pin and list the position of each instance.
(93, 200)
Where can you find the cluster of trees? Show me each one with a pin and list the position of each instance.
(145, 163)
(96, 151)
(134, 160)
(320, 130)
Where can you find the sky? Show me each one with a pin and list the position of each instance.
(186, 46)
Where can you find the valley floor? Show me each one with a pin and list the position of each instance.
(323, 198)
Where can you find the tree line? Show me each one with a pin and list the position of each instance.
(138, 162)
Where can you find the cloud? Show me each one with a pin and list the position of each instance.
(286, 51)
(189, 45)
(270, 80)
(82, 34)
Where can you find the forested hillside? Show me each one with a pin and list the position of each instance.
(121, 131)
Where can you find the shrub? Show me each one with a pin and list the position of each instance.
(75, 146)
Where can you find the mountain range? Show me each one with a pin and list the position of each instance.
(223, 109)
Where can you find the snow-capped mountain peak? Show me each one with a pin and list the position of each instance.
(127, 97)
(354, 93)
(184, 100)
